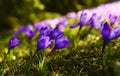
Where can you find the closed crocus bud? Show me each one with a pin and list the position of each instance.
(113, 19)
(60, 43)
(105, 32)
(56, 33)
(91, 20)
(29, 31)
(83, 20)
(13, 42)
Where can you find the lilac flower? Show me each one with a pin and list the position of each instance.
(13, 42)
(109, 34)
(29, 31)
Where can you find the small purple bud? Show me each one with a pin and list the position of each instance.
(112, 19)
(105, 32)
(13, 42)
(29, 31)
(91, 21)
(62, 42)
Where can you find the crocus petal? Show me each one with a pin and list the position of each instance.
(83, 19)
(105, 31)
(115, 32)
(43, 42)
(62, 43)
(75, 25)
(55, 33)
(112, 19)
(91, 20)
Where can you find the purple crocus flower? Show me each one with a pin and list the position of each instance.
(42, 24)
(60, 43)
(45, 31)
(13, 42)
(113, 19)
(29, 31)
(91, 20)
(71, 15)
(42, 43)
(19, 31)
(62, 22)
(81, 23)
(109, 34)
(56, 33)
(83, 20)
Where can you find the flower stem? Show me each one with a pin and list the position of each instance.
(78, 33)
(33, 56)
(50, 52)
(103, 49)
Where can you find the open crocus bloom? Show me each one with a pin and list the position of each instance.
(43, 42)
(109, 33)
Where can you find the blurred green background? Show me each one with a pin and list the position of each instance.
(22, 12)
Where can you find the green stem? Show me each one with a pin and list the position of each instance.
(50, 52)
(78, 33)
(33, 56)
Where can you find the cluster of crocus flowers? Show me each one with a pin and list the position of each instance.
(50, 29)
(109, 32)
(48, 36)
